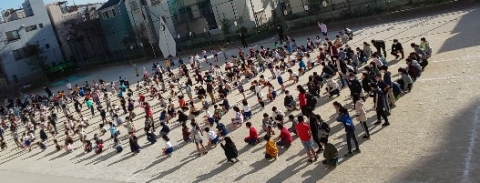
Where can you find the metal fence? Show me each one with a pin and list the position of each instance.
(308, 14)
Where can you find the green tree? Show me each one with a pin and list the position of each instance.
(226, 26)
(36, 60)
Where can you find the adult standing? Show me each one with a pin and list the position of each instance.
(387, 78)
(355, 87)
(347, 122)
(379, 105)
(48, 91)
(210, 91)
(281, 37)
(312, 119)
(243, 40)
(380, 46)
(323, 29)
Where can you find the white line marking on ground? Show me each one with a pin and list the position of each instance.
(462, 78)
(473, 136)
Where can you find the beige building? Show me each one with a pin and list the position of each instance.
(75, 36)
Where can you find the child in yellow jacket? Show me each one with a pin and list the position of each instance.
(271, 150)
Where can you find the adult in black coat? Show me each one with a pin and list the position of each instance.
(312, 119)
(230, 149)
(380, 46)
(355, 87)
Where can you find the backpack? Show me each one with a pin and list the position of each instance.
(311, 100)
(324, 130)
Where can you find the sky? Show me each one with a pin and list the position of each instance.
(7, 4)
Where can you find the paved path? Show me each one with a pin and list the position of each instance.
(433, 137)
(23, 177)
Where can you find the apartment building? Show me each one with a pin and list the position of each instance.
(29, 25)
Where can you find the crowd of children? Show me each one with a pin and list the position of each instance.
(335, 68)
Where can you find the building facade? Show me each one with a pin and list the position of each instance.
(200, 16)
(27, 26)
(78, 40)
(116, 24)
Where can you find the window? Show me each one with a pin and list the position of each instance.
(155, 2)
(105, 15)
(40, 25)
(134, 5)
(31, 28)
(109, 14)
(12, 35)
(16, 55)
(19, 54)
(113, 13)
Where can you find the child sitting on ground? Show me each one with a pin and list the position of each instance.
(267, 124)
(117, 145)
(88, 146)
(294, 121)
(332, 87)
(271, 150)
(168, 150)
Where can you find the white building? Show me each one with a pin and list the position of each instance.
(147, 17)
(29, 25)
(248, 13)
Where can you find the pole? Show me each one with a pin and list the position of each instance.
(153, 49)
(304, 11)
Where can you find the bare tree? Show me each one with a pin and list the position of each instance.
(136, 36)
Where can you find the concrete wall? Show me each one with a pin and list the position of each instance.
(45, 37)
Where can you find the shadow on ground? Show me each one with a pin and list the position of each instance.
(455, 158)
(463, 32)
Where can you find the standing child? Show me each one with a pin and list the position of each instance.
(294, 121)
(240, 89)
(214, 54)
(224, 51)
(197, 138)
(204, 53)
(362, 116)
(185, 133)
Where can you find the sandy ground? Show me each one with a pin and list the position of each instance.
(433, 136)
